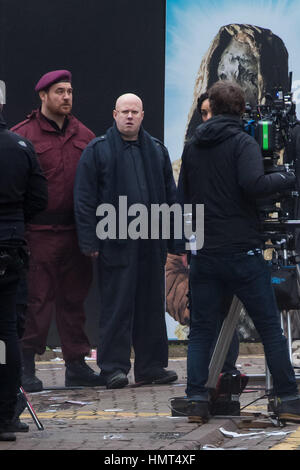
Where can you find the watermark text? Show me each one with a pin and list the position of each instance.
(160, 221)
(2, 92)
(2, 353)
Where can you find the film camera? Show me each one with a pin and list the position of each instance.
(273, 126)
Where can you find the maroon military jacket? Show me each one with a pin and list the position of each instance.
(58, 155)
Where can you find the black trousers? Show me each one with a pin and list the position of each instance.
(229, 365)
(248, 277)
(132, 313)
(21, 301)
(10, 371)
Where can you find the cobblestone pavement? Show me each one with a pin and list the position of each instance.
(139, 418)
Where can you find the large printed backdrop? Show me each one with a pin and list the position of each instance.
(254, 43)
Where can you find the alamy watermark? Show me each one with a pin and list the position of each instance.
(161, 221)
(2, 353)
(2, 92)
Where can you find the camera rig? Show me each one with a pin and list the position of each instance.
(272, 124)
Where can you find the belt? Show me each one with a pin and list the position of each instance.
(53, 218)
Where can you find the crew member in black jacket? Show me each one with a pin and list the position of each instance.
(23, 193)
(222, 168)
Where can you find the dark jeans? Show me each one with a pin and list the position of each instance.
(248, 277)
(10, 372)
(233, 351)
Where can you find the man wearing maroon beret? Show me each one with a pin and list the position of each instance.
(59, 275)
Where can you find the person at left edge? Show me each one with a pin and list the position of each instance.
(59, 275)
(23, 194)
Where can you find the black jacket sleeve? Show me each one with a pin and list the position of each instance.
(36, 195)
(86, 200)
(251, 175)
(182, 198)
(170, 188)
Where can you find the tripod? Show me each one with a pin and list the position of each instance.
(224, 340)
(31, 410)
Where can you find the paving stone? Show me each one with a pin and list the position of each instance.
(133, 418)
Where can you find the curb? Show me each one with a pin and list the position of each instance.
(207, 434)
(176, 349)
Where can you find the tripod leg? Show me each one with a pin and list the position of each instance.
(268, 379)
(223, 343)
(289, 334)
(32, 412)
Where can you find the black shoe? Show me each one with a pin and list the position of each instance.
(7, 436)
(117, 379)
(31, 383)
(20, 406)
(198, 412)
(17, 426)
(287, 410)
(159, 377)
(79, 374)
(5, 433)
